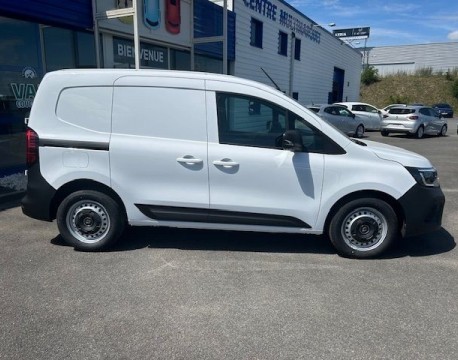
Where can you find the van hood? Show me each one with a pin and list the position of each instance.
(401, 156)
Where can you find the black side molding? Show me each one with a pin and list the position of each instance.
(75, 144)
(170, 213)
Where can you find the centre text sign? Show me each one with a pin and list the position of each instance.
(270, 10)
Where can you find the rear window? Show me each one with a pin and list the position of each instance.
(401, 111)
(315, 110)
(86, 107)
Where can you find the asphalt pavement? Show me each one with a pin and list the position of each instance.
(189, 294)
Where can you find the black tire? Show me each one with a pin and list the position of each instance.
(385, 133)
(420, 132)
(363, 228)
(443, 131)
(359, 133)
(90, 220)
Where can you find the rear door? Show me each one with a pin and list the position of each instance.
(331, 114)
(428, 120)
(363, 115)
(437, 120)
(158, 147)
(347, 118)
(372, 114)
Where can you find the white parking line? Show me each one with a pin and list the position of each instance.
(450, 190)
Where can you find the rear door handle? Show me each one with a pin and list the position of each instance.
(227, 163)
(190, 160)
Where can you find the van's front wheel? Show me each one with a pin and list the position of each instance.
(90, 220)
(363, 228)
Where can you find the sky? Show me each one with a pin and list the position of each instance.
(391, 22)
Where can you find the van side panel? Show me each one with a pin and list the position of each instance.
(158, 148)
(77, 139)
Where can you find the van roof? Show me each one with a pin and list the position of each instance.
(113, 74)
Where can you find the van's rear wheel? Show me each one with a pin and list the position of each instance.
(90, 220)
(363, 228)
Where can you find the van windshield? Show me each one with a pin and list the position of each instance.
(401, 111)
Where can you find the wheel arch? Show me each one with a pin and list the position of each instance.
(367, 194)
(83, 184)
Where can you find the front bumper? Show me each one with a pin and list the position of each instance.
(423, 208)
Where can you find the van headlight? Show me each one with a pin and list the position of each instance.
(424, 176)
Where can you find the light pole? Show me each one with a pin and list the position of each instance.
(291, 64)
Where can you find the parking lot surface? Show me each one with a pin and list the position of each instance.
(188, 294)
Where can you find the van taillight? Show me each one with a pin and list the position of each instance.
(413, 117)
(32, 147)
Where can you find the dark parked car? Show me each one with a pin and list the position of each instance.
(444, 109)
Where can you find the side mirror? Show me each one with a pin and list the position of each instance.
(292, 141)
(353, 115)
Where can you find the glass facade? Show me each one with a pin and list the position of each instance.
(20, 74)
(180, 60)
(27, 51)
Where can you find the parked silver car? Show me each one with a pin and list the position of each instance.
(370, 115)
(414, 120)
(341, 118)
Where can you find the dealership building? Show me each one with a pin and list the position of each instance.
(265, 40)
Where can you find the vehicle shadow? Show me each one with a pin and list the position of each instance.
(216, 240)
(434, 243)
(136, 238)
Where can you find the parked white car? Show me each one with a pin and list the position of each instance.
(341, 118)
(370, 115)
(414, 120)
(107, 148)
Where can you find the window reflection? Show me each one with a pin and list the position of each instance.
(59, 48)
(19, 45)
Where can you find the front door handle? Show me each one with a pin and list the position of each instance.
(190, 160)
(227, 163)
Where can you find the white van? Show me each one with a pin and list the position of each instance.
(106, 148)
